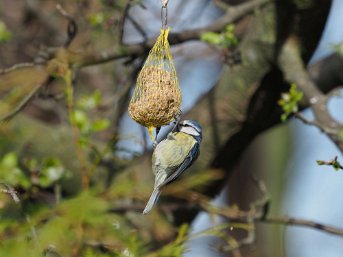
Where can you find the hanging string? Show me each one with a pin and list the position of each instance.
(164, 14)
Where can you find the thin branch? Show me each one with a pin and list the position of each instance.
(72, 25)
(137, 26)
(232, 15)
(289, 221)
(293, 68)
(327, 72)
(240, 216)
(334, 163)
(7, 189)
(258, 212)
(222, 5)
(99, 245)
(316, 124)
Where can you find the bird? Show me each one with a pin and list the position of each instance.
(173, 155)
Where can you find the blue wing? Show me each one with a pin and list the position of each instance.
(191, 157)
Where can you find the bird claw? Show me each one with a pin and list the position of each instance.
(154, 144)
(171, 136)
(176, 121)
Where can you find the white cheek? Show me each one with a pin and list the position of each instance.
(190, 131)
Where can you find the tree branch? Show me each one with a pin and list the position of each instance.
(289, 221)
(334, 163)
(294, 71)
(7, 189)
(232, 15)
(234, 215)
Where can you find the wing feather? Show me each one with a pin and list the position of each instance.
(188, 161)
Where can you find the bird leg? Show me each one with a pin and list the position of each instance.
(154, 144)
(177, 120)
(171, 136)
(157, 131)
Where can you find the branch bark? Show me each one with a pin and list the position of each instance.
(238, 216)
(233, 14)
(294, 71)
(245, 98)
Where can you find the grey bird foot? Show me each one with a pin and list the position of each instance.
(171, 136)
(154, 144)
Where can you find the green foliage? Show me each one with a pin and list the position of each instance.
(338, 48)
(176, 248)
(96, 19)
(89, 126)
(303, 4)
(224, 39)
(5, 34)
(51, 171)
(84, 225)
(45, 173)
(61, 227)
(340, 134)
(334, 163)
(100, 220)
(289, 102)
(11, 173)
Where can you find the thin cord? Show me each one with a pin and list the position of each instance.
(164, 17)
(164, 14)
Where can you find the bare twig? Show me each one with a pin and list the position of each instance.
(240, 216)
(334, 163)
(137, 26)
(99, 245)
(72, 25)
(233, 15)
(293, 68)
(222, 5)
(316, 124)
(289, 221)
(7, 189)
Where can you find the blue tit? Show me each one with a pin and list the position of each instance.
(173, 155)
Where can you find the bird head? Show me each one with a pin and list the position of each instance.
(190, 127)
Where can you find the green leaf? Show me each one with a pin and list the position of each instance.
(90, 102)
(10, 172)
(100, 125)
(211, 38)
(289, 102)
(336, 165)
(81, 120)
(338, 48)
(181, 237)
(51, 172)
(5, 35)
(303, 4)
(340, 134)
(9, 161)
(230, 40)
(320, 162)
(224, 39)
(96, 19)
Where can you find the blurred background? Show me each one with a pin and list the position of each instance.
(82, 168)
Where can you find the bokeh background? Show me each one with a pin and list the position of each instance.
(38, 144)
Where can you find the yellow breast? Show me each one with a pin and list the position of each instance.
(172, 151)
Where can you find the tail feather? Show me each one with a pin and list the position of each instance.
(152, 200)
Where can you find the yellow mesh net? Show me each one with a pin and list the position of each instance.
(156, 99)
